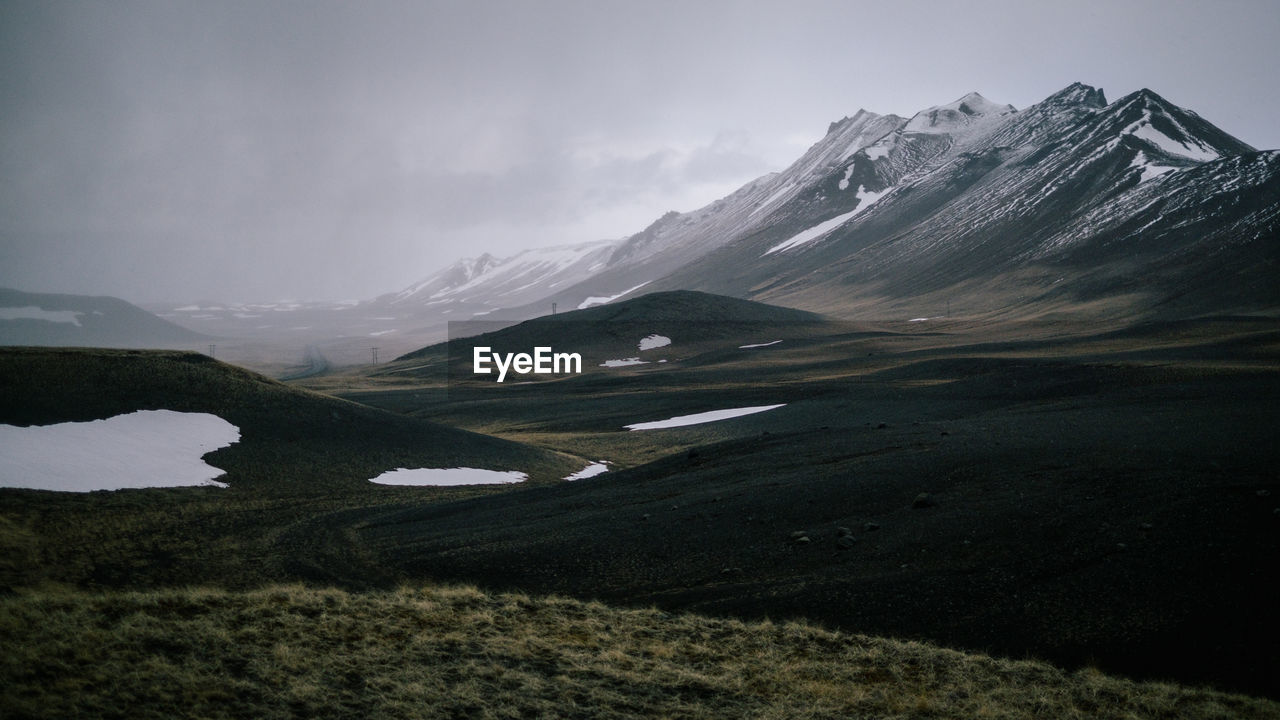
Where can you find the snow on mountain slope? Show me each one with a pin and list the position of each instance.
(493, 283)
(884, 209)
(677, 239)
(970, 201)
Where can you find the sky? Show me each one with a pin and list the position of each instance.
(260, 150)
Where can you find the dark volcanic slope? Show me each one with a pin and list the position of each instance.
(291, 439)
(1108, 499)
(691, 320)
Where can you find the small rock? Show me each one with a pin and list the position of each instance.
(799, 534)
(803, 540)
(842, 531)
(923, 500)
(944, 433)
(846, 541)
(645, 516)
(871, 526)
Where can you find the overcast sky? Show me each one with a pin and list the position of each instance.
(262, 150)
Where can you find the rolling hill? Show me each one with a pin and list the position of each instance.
(85, 321)
(292, 441)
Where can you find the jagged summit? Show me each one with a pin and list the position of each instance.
(1077, 94)
(1165, 129)
(847, 120)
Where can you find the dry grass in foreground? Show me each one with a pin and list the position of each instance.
(433, 652)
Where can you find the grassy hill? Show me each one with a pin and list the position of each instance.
(454, 652)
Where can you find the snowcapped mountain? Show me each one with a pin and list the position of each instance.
(1131, 207)
(1137, 206)
(477, 286)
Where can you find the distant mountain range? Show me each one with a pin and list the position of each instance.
(1132, 208)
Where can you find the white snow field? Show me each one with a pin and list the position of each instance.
(650, 342)
(147, 448)
(623, 362)
(699, 418)
(31, 312)
(448, 476)
(602, 299)
(866, 199)
(591, 470)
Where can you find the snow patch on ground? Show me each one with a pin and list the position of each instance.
(866, 199)
(589, 471)
(448, 476)
(704, 417)
(31, 312)
(624, 362)
(599, 300)
(654, 341)
(147, 448)
(759, 345)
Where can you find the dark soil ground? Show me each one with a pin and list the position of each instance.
(1086, 497)
(1083, 495)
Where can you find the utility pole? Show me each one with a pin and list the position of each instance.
(211, 347)
(375, 355)
(553, 308)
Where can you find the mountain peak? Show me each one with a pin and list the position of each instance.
(847, 119)
(975, 104)
(956, 114)
(1077, 93)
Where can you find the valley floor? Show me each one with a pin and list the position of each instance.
(1104, 500)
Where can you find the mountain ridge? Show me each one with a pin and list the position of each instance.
(971, 198)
